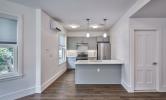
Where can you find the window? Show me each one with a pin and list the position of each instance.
(62, 48)
(7, 59)
(10, 49)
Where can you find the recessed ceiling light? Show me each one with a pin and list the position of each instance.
(74, 26)
(94, 26)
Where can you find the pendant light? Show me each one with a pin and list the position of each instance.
(105, 34)
(87, 34)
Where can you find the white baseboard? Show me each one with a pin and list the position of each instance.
(18, 94)
(38, 89)
(52, 79)
(130, 90)
(162, 89)
(127, 87)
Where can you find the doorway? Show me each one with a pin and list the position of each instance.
(145, 60)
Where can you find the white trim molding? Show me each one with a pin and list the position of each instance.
(42, 87)
(18, 94)
(146, 24)
(18, 48)
(38, 50)
(52, 79)
(162, 89)
(120, 27)
(127, 87)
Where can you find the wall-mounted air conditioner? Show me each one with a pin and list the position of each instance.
(54, 26)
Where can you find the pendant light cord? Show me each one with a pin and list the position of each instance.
(105, 22)
(88, 20)
(88, 34)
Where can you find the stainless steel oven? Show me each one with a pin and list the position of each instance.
(82, 56)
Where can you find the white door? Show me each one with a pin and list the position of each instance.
(145, 60)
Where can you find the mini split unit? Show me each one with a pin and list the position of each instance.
(54, 26)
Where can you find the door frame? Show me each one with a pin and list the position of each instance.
(132, 53)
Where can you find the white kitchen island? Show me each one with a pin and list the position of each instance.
(98, 72)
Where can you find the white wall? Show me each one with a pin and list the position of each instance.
(50, 68)
(83, 33)
(160, 25)
(40, 54)
(25, 85)
(120, 41)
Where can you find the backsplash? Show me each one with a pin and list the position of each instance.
(73, 53)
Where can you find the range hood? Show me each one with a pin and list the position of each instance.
(82, 47)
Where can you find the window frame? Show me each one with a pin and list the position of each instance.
(62, 47)
(18, 50)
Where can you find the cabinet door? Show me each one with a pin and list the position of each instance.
(107, 39)
(71, 45)
(72, 42)
(92, 43)
(71, 62)
(99, 39)
(79, 39)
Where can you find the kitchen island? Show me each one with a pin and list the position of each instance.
(98, 72)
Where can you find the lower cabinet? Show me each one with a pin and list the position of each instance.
(98, 74)
(71, 62)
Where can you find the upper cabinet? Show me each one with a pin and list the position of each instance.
(92, 42)
(101, 39)
(73, 41)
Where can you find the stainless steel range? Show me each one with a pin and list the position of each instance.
(82, 56)
(82, 49)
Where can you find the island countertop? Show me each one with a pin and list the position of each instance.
(81, 62)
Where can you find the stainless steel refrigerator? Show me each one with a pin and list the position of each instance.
(103, 51)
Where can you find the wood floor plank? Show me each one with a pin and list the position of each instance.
(65, 89)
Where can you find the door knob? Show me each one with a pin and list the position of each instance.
(154, 63)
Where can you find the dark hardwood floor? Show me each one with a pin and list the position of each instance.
(65, 89)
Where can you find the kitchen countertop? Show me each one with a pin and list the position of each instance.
(81, 62)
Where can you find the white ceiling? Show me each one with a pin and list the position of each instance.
(154, 9)
(76, 11)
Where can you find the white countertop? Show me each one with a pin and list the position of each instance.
(80, 62)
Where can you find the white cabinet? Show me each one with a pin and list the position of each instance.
(71, 53)
(92, 53)
(71, 62)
